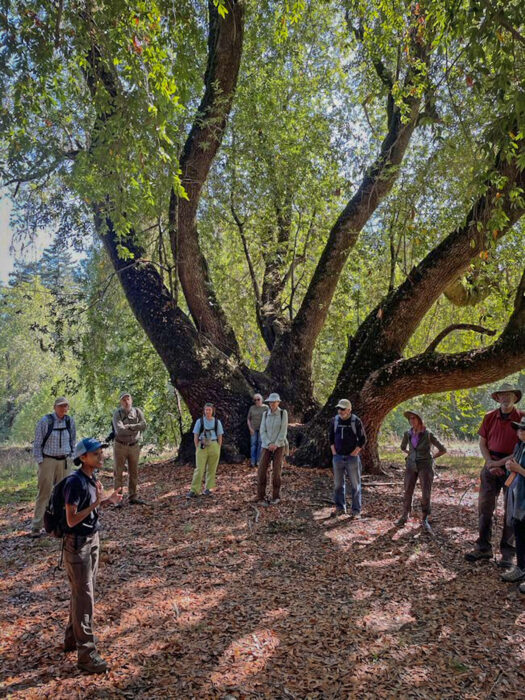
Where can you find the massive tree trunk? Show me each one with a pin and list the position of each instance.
(198, 370)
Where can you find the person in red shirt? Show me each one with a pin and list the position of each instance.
(497, 440)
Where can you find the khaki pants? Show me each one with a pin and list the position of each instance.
(81, 556)
(121, 455)
(276, 458)
(50, 472)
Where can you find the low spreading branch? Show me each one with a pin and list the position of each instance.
(457, 327)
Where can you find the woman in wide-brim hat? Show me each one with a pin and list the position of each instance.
(417, 443)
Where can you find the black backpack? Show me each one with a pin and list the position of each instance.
(55, 513)
(50, 425)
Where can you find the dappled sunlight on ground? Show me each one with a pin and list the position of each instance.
(218, 597)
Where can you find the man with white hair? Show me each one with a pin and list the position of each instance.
(54, 444)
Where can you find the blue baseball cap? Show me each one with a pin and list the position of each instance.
(84, 446)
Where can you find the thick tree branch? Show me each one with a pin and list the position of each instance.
(457, 327)
(429, 373)
(403, 311)
(225, 37)
(376, 184)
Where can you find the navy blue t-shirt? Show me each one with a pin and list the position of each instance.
(80, 490)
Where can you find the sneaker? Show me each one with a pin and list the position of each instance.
(35, 534)
(513, 575)
(275, 501)
(137, 501)
(356, 516)
(426, 526)
(402, 521)
(118, 506)
(262, 502)
(337, 512)
(478, 554)
(505, 564)
(191, 494)
(208, 492)
(95, 664)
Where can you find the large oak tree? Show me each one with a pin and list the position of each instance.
(95, 105)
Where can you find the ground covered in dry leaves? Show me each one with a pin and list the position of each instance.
(214, 598)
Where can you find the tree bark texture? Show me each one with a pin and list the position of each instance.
(225, 38)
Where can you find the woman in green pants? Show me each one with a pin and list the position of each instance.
(207, 435)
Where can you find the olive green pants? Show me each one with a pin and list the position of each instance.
(206, 459)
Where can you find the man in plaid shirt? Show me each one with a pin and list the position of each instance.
(55, 438)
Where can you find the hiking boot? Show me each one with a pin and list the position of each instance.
(35, 534)
(275, 501)
(504, 563)
(478, 555)
(137, 501)
(191, 494)
(402, 521)
(521, 587)
(94, 664)
(337, 512)
(513, 575)
(262, 502)
(208, 492)
(117, 505)
(356, 516)
(69, 645)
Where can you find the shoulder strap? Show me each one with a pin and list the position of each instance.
(336, 422)
(216, 426)
(68, 428)
(353, 423)
(50, 423)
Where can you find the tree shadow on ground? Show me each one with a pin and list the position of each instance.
(200, 600)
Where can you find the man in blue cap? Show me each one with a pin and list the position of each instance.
(83, 495)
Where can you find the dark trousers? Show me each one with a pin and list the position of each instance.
(426, 477)
(276, 458)
(489, 490)
(519, 532)
(81, 562)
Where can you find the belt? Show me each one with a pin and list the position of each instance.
(59, 459)
(128, 444)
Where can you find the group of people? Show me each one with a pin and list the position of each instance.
(502, 444)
